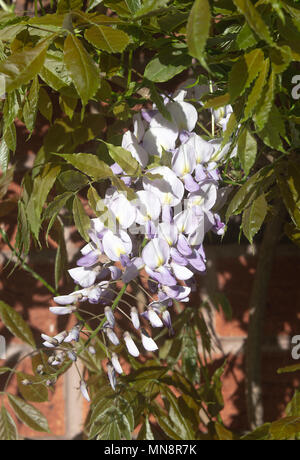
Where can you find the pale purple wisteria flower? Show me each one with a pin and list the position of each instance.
(161, 232)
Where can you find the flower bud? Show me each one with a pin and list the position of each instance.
(135, 318)
(131, 346)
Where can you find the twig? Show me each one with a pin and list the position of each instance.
(258, 302)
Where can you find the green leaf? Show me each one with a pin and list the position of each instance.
(256, 91)
(265, 103)
(89, 164)
(15, 324)
(150, 6)
(169, 63)
(4, 370)
(190, 354)
(159, 102)
(181, 425)
(21, 67)
(281, 58)
(36, 391)
(285, 428)
(119, 6)
(293, 233)
(96, 202)
(254, 217)
(23, 233)
(216, 102)
(258, 183)
(81, 219)
(293, 408)
(68, 105)
(246, 38)
(198, 29)
(31, 105)
(243, 73)
(124, 159)
(259, 434)
(8, 429)
(273, 130)
(45, 104)
(81, 68)
(4, 155)
(10, 136)
(52, 211)
(43, 183)
(293, 368)
(113, 425)
(247, 150)
(254, 19)
(73, 180)
(64, 6)
(107, 39)
(222, 299)
(55, 74)
(145, 433)
(223, 433)
(28, 414)
(133, 5)
(285, 181)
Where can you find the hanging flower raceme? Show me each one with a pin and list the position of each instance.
(157, 229)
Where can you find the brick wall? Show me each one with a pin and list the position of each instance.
(231, 269)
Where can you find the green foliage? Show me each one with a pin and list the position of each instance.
(16, 324)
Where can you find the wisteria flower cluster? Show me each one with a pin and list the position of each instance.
(160, 231)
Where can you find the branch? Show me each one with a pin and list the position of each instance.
(258, 302)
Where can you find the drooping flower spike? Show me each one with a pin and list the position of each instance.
(160, 233)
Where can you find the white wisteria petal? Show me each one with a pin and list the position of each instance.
(183, 114)
(168, 231)
(116, 363)
(114, 246)
(183, 162)
(181, 272)
(154, 318)
(204, 199)
(87, 249)
(148, 207)
(61, 311)
(111, 335)
(110, 316)
(156, 253)
(131, 346)
(111, 376)
(186, 222)
(138, 127)
(134, 315)
(131, 143)
(83, 276)
(84, 391)
(148, 342)
(66, 299)
(169, 189)
(219, 152)
(200, 148)
(122, 210)
(157, 139)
